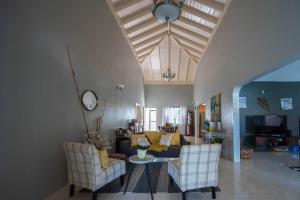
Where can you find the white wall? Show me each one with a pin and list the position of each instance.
(39, 106)
(254, 37)
(158, 96)
(289, 73)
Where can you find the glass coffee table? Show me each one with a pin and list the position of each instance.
(134, 160)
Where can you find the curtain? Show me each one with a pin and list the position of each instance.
(175, 115)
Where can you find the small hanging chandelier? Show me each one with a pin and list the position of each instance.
(168, 75)
(167, 10)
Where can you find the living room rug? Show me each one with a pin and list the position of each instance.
(138, 182)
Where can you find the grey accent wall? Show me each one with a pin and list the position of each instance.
(158, 96)
(250, 41)
(39, 106)
(274, 92)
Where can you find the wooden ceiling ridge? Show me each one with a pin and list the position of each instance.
(191, 34)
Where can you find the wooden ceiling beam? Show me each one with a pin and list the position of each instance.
(212, 4)
(145, 34)
(188, 32)
(186, 40)
(194, 24)
(135, 15)
(190, 49)
(146, 55)
(122, 5)
(184, 50)
(142, 25)
(147, 48)
(200, 14)
(150, 41)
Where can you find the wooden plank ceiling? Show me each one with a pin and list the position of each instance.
(182, 49)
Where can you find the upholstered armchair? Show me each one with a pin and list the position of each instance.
(197, 167)
(84, 168)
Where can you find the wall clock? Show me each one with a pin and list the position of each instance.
(89, 100)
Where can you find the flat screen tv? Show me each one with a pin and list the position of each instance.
(266, 124)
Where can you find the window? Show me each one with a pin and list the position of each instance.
(151, 119)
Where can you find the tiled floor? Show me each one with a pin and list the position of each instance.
(266, 177)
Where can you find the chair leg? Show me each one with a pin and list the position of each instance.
(122, 180)
(72, 188)
(95, 195)
(183, 195)
(171, 180)
(213, 192)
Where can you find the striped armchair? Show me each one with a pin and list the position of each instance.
(197, 167)
(84, 168)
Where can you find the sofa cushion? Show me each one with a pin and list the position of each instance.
(134, 137)
(153, 136)
(175, 138)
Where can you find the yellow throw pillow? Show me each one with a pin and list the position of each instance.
(175, 139)
(134, 137)
(153, 136)
(158, 148)
(103, 155)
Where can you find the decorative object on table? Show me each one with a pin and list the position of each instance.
(206, 125)
(94, 136)
(215, 105)
(90, 172)
(120, 132)
(246, 153)
(190, 123)
(286, 104)
(132, 126)
(142, 151)
(89, 100)
(243, 102)
(263, 102)
(212, 127)
(139, 117)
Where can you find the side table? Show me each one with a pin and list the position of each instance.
(134, 160)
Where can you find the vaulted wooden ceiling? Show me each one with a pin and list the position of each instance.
(180, 45)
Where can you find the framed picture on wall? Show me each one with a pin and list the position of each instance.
(286, 104)
(243, 102)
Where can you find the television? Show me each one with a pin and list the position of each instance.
(266, 124)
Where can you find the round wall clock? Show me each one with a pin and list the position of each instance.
(89, 100)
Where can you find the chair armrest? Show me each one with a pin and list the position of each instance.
(183, 141)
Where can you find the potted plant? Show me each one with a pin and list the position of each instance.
(142, 151)
(218, 139)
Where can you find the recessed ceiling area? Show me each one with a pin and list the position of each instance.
(179, 45)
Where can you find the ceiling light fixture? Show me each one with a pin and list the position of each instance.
(168, 75)
(167, 10)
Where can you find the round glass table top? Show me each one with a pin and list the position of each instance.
(136, 160)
